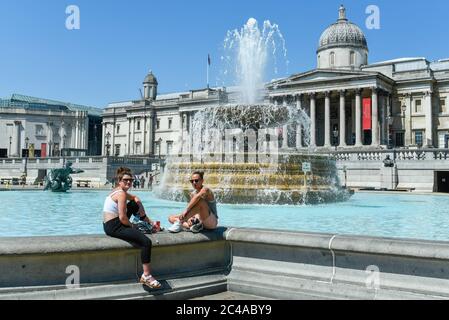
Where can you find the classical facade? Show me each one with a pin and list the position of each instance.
(352, 104)
(38, 127)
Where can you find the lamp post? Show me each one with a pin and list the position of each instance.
(404, 109)
(160, 147)
(108, 145)
(335, 132)
(27, 140)
(10, 142)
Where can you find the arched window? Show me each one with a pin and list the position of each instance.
(352, 58)
(319, 61)
(332, 59)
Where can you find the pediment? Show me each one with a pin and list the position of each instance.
(316, 75)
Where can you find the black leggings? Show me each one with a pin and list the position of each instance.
(114, 228)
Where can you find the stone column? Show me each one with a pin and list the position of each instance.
(62, 134)
(342, 119)
(16, 138)
(375, 119)
(144, 135)
(429, 119)
(313, 120)
(284, 128)
(358, 118)
(151, 133)
(327, 120)
(129, 136)
(408, 120)
(133, 136)
(299, 125)
(77, 130)
(103, 142)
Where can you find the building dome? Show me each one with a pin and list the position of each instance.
(150, 78)
(340, 34)
(345, 42)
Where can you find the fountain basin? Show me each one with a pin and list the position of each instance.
(282, 182)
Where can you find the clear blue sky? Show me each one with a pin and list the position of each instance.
(119, 41)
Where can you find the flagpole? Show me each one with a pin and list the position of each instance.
(208, 64)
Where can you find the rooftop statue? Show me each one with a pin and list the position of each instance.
(59, 180)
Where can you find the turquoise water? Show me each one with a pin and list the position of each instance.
(36, 213)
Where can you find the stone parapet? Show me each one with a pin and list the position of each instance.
(293, 264)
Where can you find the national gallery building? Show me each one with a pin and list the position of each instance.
(35, 127)
(352, 104)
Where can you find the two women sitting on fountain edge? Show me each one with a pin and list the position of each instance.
(201, 212)
(117, 213)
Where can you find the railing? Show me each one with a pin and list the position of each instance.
(394, 154)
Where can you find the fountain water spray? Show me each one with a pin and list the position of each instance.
(237, 144)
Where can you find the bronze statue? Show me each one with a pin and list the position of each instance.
(59, 180)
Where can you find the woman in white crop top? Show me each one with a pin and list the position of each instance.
(117, 211)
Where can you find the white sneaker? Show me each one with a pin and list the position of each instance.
(176, 227)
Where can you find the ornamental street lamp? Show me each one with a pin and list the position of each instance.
(160, 147)
(27, 140)
(335, 133)
(10, 142)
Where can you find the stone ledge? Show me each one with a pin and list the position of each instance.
(86, 243)
(416, 248)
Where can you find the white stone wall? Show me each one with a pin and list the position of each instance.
(342, 58)
(52, 128)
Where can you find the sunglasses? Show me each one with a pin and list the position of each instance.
(128, 180)
(196, 181)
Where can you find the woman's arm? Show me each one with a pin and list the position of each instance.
(193, 202)
(121, 203)
(142, 213)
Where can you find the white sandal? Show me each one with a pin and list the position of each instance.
(150, 281)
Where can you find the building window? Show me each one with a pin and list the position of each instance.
(399, 139)
(138, 147)
(418, 106)
(443, 106)
(117, 150)
(118, 129)
(443, 139)
(319, 61)
(39, 130)
(419, 138)
(169, 147)
(138, 125)
(170, 122)
(158, 124)
(352, 58)
(332, 59)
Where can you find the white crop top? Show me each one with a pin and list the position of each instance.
(110, 206)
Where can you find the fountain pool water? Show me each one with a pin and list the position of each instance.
(36, 213)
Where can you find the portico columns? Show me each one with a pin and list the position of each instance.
(285, 128)
(429, 118)
(103, 142)
(327, 120)
(375, 118)
(16, 152)
(298, 126)
(358, 118)
(313, 120)
(342, 119)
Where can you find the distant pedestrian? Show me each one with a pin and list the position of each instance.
(150, 182)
